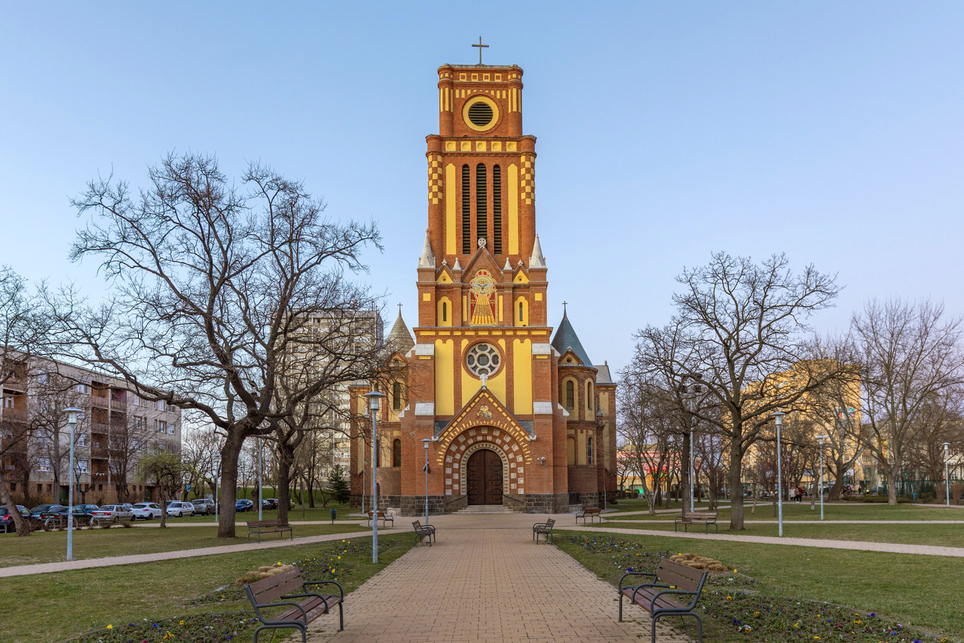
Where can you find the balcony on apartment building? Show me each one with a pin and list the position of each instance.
(14, 415)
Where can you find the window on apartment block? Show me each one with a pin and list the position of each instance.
(161, 426)
(81, 439)
(43, 464)
(82, 466)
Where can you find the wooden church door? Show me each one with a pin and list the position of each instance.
(484, 476)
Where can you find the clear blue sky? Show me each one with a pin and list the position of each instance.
(831, 131)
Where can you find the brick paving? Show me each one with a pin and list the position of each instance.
(485, 580)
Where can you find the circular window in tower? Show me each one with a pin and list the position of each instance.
(480, 113)
(483, 360)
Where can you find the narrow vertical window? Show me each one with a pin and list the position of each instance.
(397, 453)
(570, 394)
(521, 315)
(589, 395)
(466, 212)
(397, 396)
(445, 311)
(588, 450)
(497, 210)
(481, 205)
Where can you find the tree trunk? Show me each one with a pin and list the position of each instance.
(286, 458)
(230, 453)
(891, 485)
(163, 510)
(736, 487)
(23, 527)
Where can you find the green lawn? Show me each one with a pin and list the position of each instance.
(801, 511)
(922, 591)
(50, 547)
(57, 606)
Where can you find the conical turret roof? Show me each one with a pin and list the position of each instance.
(567, 339)
(399, 338)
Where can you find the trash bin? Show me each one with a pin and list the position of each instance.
(333, 516)
(913, 497)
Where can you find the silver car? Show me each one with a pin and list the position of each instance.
(204, 506)
(178, 509)
(111, 513)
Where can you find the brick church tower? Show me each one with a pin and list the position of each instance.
(511, 416)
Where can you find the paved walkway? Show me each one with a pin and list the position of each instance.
(485, 580)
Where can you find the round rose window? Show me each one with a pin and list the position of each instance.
(483, 359)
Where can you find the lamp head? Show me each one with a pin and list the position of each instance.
(373, 398)
(72, 413)
(426, 442)
(778, 417)
(821, 437)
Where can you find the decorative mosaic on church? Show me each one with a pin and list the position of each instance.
(481, 295)
(435, 179)
(527, 183)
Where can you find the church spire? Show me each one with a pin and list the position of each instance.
(399, 338)
(537, 260)
(427, 260)
(566, 339)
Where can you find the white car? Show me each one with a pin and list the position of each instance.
(178, 508)
(111, 513)
(146, 510)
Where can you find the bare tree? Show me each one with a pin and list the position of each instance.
(211, 285)
(910, 354)
(741, 327)
(22, 330)
(166, 472)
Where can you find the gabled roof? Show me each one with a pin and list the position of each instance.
(400, 339)
(603, 376)
(566, 339)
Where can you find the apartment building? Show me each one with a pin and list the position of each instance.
(115, 430)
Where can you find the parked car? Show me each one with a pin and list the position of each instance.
(57, 518)
(37, 511)
(178, 508)
(244, 505)
(146, 510)
(269, 503)
(112, 513)
(204, 506)
(6, 523)
(88, 508)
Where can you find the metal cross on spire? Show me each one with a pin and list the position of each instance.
(399, 308)
(564, 307)
(480, 46)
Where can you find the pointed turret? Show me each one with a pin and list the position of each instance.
(537, 260)
(400, 339)
(427, 260)
(566, 339)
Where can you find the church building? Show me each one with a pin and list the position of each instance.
(484, 401)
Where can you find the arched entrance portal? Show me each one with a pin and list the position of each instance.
(483, 474)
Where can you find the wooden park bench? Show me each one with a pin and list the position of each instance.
(280, 590)
(423, 532)
(706, 518)
(106, 522)
(591, 513)
(657, 597)
(543, 528)
(258, 527)
(381, 516)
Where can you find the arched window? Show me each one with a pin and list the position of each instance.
(497, 210)
(466, 211)
(481, 208)
(397, 396)
(445, 311)
(589, 395)
(588, 450)
(397, 453)
(570, 394)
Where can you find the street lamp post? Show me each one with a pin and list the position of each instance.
(947, 480)
(692, 392)
(426, 442)
(820, 489)
(72, 414)
(373, 398)
(217, 500)
(260, 483)
(778, 418)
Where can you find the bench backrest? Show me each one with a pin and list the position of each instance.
(550, 523)
(270, 589)
(381, 514)
(264, 523)
(593, 510)
(681, 576)
(699, 515)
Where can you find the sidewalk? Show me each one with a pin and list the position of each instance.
(486, 580)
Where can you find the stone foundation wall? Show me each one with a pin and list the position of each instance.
(415, 505)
